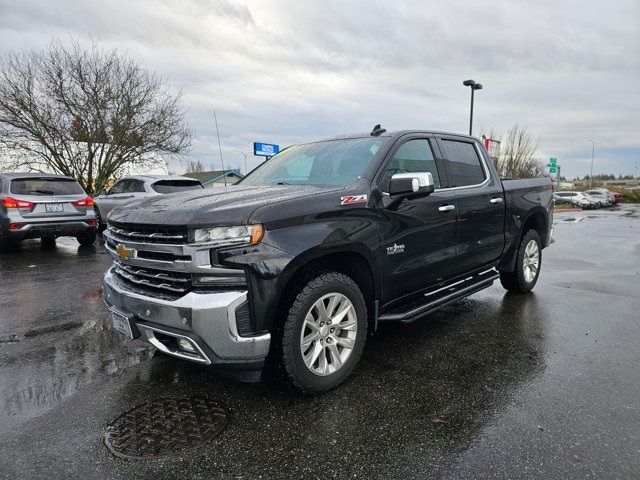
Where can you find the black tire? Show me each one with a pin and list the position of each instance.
(296, 370)
(87, 238)
(48, 243)
(515, 281)
(102, 226)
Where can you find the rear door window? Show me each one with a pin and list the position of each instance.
(462, 162)
(45, 186)
(173, 186)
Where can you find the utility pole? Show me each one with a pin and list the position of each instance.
(593, 148)
(474, 86)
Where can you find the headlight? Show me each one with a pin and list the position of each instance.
(249, 234)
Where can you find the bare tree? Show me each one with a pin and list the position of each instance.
(86, 113)
(517, 154)
(194, 167)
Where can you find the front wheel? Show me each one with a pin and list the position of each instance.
(528, 262)
(324, 333)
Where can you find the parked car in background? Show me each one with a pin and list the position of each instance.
(601, 197)
(575, 199)
(44, 206)
(617, 197)
(137, 187)
(610, 196)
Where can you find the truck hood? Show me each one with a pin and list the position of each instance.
(231, 205)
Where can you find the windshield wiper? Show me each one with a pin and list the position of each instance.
(44, 192)
(283, 183)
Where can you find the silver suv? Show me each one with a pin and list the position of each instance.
(36, 205)
(137, 187)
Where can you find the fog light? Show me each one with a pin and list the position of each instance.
(186, 345)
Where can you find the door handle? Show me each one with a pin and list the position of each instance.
(496, 200)
(446, 208)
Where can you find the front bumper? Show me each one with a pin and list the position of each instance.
(205, 320)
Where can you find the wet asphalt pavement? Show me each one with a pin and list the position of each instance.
(545, 385)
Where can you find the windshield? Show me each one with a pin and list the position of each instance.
(45, 186)
(172, 186)
(328, 163)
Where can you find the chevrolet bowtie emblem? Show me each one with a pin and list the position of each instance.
(125, 253)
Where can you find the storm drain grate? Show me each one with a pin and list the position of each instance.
(165, 426)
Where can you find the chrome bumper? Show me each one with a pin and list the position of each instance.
(207, 321)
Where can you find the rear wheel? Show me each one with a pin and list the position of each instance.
(324, 333)
(48, 242)
(528, 262)
(87, 238)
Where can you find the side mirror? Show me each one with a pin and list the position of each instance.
(102, 191)
(417, 184)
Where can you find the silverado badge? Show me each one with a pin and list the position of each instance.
(125, 253)
(353, 199)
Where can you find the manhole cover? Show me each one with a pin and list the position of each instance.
(165, 426)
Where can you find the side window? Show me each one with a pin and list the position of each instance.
(118, 187)
(463, 164)
(136, 186)
(413, 156)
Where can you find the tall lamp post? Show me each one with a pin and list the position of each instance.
(474, 86)
(593, 149)
(245, 159)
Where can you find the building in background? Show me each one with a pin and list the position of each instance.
(216, 178)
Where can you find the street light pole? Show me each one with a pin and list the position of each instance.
(245, 159)
(474, 86)
(593, 148)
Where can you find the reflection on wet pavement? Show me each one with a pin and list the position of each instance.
(492, 385)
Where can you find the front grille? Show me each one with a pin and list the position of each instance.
(158, 280)
(149, 233)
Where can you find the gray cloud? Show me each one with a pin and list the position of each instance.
(289, 71)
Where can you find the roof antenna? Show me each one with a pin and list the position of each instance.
(377, 130)
(224, 174)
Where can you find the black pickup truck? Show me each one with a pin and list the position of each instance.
(304, 257)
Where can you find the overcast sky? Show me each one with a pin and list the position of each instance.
(289, 71)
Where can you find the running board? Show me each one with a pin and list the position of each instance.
(441, 297)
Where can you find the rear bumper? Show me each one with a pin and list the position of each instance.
(29, 229)
(205, 320)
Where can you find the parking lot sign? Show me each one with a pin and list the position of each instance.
(265, 149)
(553, 165)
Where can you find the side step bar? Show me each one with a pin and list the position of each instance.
(441, 297)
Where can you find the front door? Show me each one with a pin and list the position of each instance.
(418, 235)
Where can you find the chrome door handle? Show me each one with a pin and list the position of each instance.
(446, 208)
(496, 200)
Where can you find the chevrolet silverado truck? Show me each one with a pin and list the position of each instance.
(316, 247)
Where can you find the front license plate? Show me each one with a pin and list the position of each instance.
(53, 207)
(122, 324)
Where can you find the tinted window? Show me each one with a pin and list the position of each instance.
(136, 186)
(118, 187)
(172, 186)
(332, 162)
(463, 163)
(45, 186)
(413, 156)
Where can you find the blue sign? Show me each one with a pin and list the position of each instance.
(265, 149)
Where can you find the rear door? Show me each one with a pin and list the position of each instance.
(480, 202)
(418, 235)
(118, 195)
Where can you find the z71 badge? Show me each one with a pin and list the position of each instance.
(353, 199)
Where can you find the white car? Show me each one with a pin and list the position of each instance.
(576, 199)
(137, 187)
(610, 196)
(601, 197)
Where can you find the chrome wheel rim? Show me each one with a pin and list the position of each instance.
(328, 334)
(531, 261)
